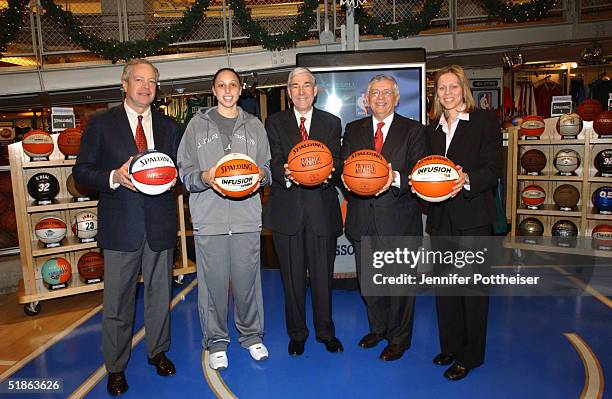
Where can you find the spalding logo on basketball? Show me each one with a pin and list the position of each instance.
(152, 172)
(433, 178)
(50, 229)
(37, 143)
(567, 160)
(236, 175)
(365, 172)
(532, 126)
(69, 141)
(569, 124)
(533, 195)
(603, 124)
(85, 225)
(56, 271)
(310, 162)
(602, 199)
(91, 266)
(43, 187)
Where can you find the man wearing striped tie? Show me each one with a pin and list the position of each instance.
(305, 221)
(391, 212)
(136, 231)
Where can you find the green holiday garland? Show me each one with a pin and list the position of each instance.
(505, 11)
(409, 26)
(305, 19)
(11, 19)
(115, 50)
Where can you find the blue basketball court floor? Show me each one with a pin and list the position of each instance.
(537, 347)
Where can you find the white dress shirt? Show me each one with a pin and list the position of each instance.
(307, 115)
(450, 131)
(147, 125)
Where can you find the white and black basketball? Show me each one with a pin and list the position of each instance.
(85, 225)
(603, 162)
(43, 187)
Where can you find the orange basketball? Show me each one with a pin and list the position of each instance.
(603, 124)
(589, 109)
(310, 162)
(69, 141)
(37, 143)
(91, 266)
(236, 175)
(433, 178)
(532, 126)
(365, 172)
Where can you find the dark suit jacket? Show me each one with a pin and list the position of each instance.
(124, 215)
(287, 208)
(477, 147)
(396, 211)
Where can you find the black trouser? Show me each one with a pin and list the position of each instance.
(305, 251)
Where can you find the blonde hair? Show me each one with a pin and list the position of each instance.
(468, 99)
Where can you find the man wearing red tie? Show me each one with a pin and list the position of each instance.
(305, 221)
(136, 231)
(391, 212)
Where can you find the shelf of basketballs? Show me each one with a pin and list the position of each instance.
(563, 173)
(57, 221)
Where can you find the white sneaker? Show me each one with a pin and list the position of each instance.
(217, 360)
(258, 351)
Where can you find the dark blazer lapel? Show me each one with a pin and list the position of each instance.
(292, 128)
(316, 127)
(460, 134)
(159, 136)
(394, 138)
(438, 139)
(124, 132)
(367, 134)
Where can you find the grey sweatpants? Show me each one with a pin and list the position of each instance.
(221, 258)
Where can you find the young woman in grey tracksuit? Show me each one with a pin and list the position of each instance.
(226, 231)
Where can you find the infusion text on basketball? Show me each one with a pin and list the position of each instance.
(410, 258)
(241, 182)
(446, 170)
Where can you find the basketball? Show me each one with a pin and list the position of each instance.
(603, 124)
(564, 228)
(69, 141)
(152, 172)
(365, 172)
(310, 162)
(43, 186)
(602, 199)
(85, 225)
(533, 195)
(56, 271)
(589, 109)
(91, 266)
(533, 161)
(50, 229)
(603, 162)
(602, 235)
(433, 178)
(236, 175)
(569, 124)
(532, 126)
(37, 143)
(566, 196)
(531, 227)
(567, 161)
(79, 191)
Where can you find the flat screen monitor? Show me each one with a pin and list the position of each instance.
(342, 90)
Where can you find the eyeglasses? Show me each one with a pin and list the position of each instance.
(384, 93)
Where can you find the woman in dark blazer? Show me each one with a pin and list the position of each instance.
(471, 138)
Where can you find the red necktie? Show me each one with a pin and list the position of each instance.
(141, 139)
(378, 137)
(303, 131)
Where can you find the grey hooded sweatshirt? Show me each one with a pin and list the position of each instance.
(200, 149)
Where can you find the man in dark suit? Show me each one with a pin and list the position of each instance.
(305, 221)
(391, 212)
(137, 232)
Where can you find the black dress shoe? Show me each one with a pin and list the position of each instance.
(332, 345)
(392, 352)
(162, 364)
(456, 372)
(295, 348)
(443, 359)
(117, 384)
(370, 340)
